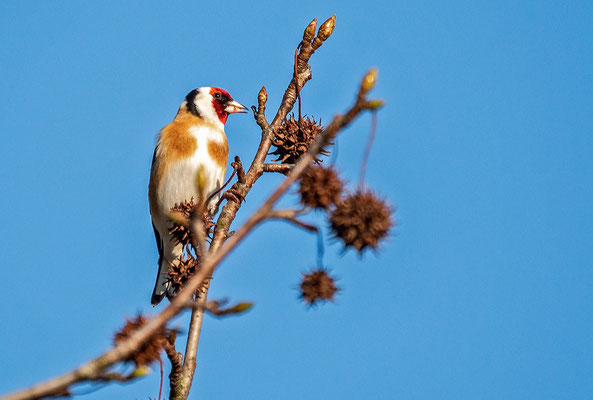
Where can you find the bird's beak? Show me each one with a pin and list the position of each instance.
(235, 107)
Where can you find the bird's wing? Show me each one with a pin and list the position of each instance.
(159, 243)
(161, 286)
(154, 156)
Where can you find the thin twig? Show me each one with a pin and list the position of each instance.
(296, 81)
(195, 326)
(238, 167)
(113, 377)
(176, 360)
(280, 168)
(259, 113)
(367, 150)
(214, 307)
(320, 249)
(291, 216)
(124, 349)
(161, 385)
(217, 253)
(221, 188)
(227, 215)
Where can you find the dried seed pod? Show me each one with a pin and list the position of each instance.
(149, 352)
(293, 139)
(361, 220)
(317, 286)
(180, 231)
(181, 216)
(181, 270)
(320, 187)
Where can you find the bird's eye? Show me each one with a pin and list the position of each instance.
(217, 96)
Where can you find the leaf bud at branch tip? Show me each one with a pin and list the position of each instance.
(242, 307)
(369, 80)
(310, 31)
(262, 97)
(141, 371)
(327, 28)
(374, 105)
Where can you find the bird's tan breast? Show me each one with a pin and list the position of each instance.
(190, 141)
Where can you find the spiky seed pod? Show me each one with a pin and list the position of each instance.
(180, 231)
(320, 187)
(293, 139)
(317, 286)
(182, 270)
(149, 352)
(361, 220)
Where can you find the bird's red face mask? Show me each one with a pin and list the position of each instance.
(224, 104)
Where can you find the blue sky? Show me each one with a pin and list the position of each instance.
(485, 288)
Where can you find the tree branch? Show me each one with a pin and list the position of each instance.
(217, 252)
(280, 168)
(176, 360)
(291, 216)
(242, 187)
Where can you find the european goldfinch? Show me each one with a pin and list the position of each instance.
(194, 142)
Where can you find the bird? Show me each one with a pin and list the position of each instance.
(193, 143)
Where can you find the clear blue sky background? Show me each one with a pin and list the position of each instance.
(485, 288)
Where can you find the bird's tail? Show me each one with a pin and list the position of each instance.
(163, 286)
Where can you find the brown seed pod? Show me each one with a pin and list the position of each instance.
(320, 187)
(293, 139)
(149, 352)
(361, 220)
(180, 231)
(182, 270)
(317, 286)
(182, 214)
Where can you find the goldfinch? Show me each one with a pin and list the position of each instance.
(194, 141)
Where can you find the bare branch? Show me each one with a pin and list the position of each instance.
(291, 216)
(114, 377)
(214, 307)
(176, 360)
(367, 150)
(217, 252)
(280, 168)
(259, 113)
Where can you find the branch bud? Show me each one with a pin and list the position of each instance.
(201, 183)
(374, 105)
(369, 80)
(141, 371)
(240, 308)
(262, 97)
(327, 28)
(310, 31)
